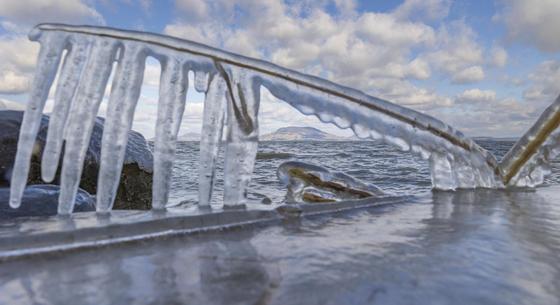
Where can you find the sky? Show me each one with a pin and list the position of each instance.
(486, 67)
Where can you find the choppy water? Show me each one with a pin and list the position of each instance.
(390, 169)
(379, 164)
(465, 247)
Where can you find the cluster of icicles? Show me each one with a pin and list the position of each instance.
(232, 86)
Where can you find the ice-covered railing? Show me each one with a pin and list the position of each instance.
(232, 85)
(528, 161)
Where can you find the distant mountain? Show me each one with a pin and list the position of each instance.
(301, 134)
(186, 137)
(189, 136)
(8, 105)
(506, 139)
(291, 133)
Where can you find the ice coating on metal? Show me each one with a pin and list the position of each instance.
(455, 161)
(528, 160)
(211, 135)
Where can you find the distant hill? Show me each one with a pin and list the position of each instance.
(505, 139)
(283, 134)
(8, 105)
(186, 137)
(189, 136)
(301, 134)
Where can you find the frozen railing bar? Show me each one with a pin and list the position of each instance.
(241, 78)
(405, 115)
(125, 91)
(172, 97)
(525, 161)
(232, 84)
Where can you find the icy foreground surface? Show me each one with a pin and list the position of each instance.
(465, 247)
(232, 85)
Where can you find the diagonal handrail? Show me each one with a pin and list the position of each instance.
(231, 83)
(410, 116)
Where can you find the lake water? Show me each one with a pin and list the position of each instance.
(464, 247)
(393, 171)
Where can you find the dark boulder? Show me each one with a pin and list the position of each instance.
(42, 200)
(135, 187)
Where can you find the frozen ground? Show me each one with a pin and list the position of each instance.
(466, 247)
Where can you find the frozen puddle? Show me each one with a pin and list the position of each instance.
(463, 247)
(31, 236)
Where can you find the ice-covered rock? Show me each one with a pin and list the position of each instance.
(312, 183)
(134, 190)
(42, 200)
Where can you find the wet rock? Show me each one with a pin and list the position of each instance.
(42, 200)
(135, 187)
(314, 184)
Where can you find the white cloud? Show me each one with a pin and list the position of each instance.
(457, 53)
(532, 22)
(12, 83)
(18, 56)
(423, 9)
(476, 96)
(419, 69)
(482, 113)
(30, 12)
(346, 7)
(197, 9)
(544, 84)
(469, 75)
(359, 50)
(385, 28)
(498, 56)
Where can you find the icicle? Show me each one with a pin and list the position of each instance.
(125, 92)
(242, 133)
(89, 94)
(212, 126)
(52, 46)
(172, 94)
(201, 81)
(443, 177)
(67, 83)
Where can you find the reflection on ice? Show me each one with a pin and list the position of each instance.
(445, 247)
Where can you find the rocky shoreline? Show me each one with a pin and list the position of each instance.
(135, 187)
